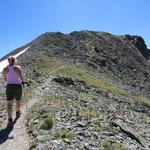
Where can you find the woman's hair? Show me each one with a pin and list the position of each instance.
(11, 60)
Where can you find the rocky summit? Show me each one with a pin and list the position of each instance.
(91, 91)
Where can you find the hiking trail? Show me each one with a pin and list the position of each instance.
(18, 139)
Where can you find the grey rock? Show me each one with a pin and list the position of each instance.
(81, 124)
(36, 121)
(67, 141)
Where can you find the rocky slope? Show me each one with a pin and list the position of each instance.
(122, 58)
(93, 89)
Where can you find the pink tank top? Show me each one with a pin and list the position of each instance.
(12, 76)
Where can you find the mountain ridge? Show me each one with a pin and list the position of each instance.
(136, 40)
(93, 91)
(98, 50)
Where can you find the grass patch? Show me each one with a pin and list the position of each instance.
(33, 113)
(64, 134)
(91, 80)
(38, 120)
(48, 64)
(55, 66)
(96, 122)
(34, 126)
(33, 145)
(141, 99)
(28, 93)
(107, 127)
(47, 123)
(107, 145)
(46, 98)
(88, 96)
(118, 146)
(89, 112)
(59, 101)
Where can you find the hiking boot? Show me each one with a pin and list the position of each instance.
(10, 122)
(18, 114)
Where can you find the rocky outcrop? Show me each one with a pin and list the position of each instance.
(139, 43)
(130, 132)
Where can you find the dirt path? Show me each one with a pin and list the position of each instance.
(18, 138)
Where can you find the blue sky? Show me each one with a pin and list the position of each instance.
(24, 20)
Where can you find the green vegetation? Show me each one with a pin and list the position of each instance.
(107, 145)
(88, 96)
(96, 122)
(46, 123)
(33, 113)
(89, 78)
(110, 128)
(46, 98)
(92, 80)
(59, 101)
(118, 146)
(48, 64)
(141, 99)
(64, 134)
(39, 120)
(89, 112)
(33, 145)
(28, 93)
(56, 66)
(107, 127)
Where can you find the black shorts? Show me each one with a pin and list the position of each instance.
(13, 91)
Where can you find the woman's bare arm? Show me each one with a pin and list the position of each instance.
(4, 72)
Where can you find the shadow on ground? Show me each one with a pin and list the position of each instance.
(4, 133)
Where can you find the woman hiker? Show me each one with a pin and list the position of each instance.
(14, 80)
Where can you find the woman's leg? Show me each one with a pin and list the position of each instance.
(9, 108)
(18, 96)
(18, 112)
(17, 105)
